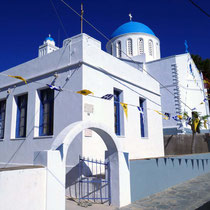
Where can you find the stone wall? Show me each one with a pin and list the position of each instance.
(181, 144)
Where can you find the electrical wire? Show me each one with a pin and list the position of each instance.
(204, 12)
(56, 12)
(122, 51)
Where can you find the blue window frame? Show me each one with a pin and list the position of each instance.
(21, 122)
(117, 111)
(46, 112)
(142, 116)
(2, 117)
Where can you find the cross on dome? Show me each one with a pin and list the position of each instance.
(130, 16)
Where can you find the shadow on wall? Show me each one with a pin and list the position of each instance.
(149, 176)
(189, 162)
(86, 182)
(72, 179)
(181, 144)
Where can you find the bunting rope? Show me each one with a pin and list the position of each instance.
(85, 92)
(121, 50)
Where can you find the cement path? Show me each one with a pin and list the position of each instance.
(190, 195)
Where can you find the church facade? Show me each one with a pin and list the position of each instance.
(181, 84)
(124, 89)
(54, 96)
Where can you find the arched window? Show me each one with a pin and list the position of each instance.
(111, 49)
(140, 46)
(129, 47)
(118, 49)
(151, 47)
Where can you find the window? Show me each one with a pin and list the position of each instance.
(129, 47)
(46, 112)
(143, 117)
(140, 46)
(157, 50)
(150, 47)
(2, 117)
(21, 120)
(118, 49)
(117, 111)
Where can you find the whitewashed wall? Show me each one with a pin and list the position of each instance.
(174, 73)
(22, 189)
(78, 64)
(135, 36)
(99, 81)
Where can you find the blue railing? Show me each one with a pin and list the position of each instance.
(94, 180)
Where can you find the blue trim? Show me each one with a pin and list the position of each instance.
(2, 117)
(132, 27)
(22, 102)
(141, 103)
(41, 118)
(46, 97)
(18, 122)
(117, 108)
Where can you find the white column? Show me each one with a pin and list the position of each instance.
(120, 179)
(55, 178)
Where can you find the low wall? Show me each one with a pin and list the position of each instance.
(181, 144)
(23, 188)
(149, 176)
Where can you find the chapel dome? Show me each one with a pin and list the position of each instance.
(132, 27)
(49, 38)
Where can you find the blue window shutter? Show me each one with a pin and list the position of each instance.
(142, 118)
(18, 122)
(46, 112)
(41, 118)
(117, 111)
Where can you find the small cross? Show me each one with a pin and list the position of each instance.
(130, 16)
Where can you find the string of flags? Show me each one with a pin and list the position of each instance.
(85, 92)
(18, 77)
(192, 73)
(53, 87)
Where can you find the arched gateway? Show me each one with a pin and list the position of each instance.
(55, 162)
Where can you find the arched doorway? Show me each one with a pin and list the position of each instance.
(55, 161)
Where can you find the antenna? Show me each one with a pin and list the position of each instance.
(82, 13)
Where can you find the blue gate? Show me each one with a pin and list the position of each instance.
(94, 180)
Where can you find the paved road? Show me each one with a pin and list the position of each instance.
(190, 195)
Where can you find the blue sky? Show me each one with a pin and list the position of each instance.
(25, 24)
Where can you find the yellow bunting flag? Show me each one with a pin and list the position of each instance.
(125, 108)
(165, 117)
(206, 82)
(196, 121)
(205, 124)
(18, 77)
(180, 117)
(201, 103)
(84, 92)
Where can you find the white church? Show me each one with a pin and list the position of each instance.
(32, 113)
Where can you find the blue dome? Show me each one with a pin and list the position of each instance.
(132, 27)
(49, 38)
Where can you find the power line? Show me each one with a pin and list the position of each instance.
(204, 12)
(122, 51)
(56, 12)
